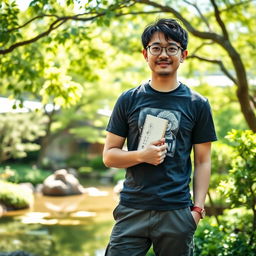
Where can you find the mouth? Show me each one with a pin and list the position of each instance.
(166, 62)
(163, 64)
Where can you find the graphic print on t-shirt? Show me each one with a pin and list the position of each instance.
(172, 129)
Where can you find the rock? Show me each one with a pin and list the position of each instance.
(92, 191)
(62, 183)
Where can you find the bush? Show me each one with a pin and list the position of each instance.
(97, 163)
(18, 173)
(213, 240)
(77, 160)
(14, 196)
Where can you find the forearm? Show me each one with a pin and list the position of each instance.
(201, 182)
(120, 158)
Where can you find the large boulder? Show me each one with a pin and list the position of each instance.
(62, 183)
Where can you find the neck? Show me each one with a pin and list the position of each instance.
(164, 84)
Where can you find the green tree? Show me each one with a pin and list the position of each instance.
(62, 69)
(220, 25)
(18, 133)
(220, 28)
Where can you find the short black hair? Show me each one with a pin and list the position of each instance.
(170, 28)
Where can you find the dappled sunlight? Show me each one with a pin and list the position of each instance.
(68, 210)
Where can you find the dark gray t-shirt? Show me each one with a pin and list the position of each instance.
(165, 186)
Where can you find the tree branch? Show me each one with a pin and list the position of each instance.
(204, 35)
(218, 62)
(200, 14)
(29, 21)
(219, 20)
(235, 5)
(201, 46)
(137, 13)
(57, 23)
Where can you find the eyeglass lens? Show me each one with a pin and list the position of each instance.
(157, 50)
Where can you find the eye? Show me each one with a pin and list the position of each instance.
(155, 48)
(172, 49)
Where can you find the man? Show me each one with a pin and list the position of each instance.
(155, 204)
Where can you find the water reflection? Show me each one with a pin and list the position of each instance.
(61, 226)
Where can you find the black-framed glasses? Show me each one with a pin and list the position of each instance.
(171, 50)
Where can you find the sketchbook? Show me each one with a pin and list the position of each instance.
(154, 128)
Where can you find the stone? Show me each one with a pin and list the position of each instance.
(62, 183)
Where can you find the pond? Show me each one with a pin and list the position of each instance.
(77, 225)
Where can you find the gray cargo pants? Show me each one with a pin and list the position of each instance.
(170, 232)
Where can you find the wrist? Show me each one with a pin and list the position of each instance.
(199, 204)
(139, 156)
(199, 210)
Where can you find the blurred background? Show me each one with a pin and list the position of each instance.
(62, 66)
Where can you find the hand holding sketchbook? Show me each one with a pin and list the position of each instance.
(154, 128)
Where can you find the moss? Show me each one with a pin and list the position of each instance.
(14, 196)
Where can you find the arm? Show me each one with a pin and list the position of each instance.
(115, 156)
(202, 172)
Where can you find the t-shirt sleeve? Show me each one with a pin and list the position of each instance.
(204, 130)
(118, 120)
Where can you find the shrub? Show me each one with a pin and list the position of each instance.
(240, 188)
(213, 240)
(77, 160)
(14, 196)
(24, 173)
(97, 163)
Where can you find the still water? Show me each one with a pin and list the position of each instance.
(61, 226)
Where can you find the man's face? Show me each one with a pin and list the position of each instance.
(163, 64)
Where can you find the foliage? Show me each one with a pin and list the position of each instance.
(18, 133)
(14, 196)
(30, 39)
(211, 240)
(97, 163)
(77, 160)
(225, 108)
(150, 252)
(20, 173)
(119, 175)
(241, 185)
(220, 164)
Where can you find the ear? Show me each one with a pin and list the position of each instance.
(145, 54)
(183, 56)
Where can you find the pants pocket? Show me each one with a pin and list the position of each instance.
(191, 218)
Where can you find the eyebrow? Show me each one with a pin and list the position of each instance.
(169, 44)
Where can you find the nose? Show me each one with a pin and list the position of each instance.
(163, 52)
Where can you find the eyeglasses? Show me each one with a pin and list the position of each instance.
(171, 50)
